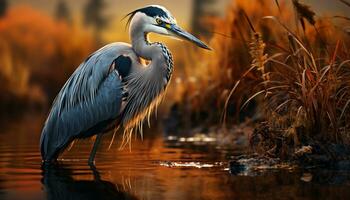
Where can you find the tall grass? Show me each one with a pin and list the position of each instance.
(296, 71)
(209, 88)
(308, 87)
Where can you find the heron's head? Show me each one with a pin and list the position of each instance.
(157, 19)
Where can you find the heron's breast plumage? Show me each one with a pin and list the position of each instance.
(146, 88)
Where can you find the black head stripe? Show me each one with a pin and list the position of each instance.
(151, 11)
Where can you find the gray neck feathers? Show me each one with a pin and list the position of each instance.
(147, 85)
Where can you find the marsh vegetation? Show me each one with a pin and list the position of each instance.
(282, 66)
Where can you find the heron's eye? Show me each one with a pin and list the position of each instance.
(159, 21)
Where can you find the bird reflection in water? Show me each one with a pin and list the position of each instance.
(59, 184)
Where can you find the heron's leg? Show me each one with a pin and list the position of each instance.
(94, 149)
(96, 174)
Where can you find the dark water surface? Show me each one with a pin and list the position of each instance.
(154, 169)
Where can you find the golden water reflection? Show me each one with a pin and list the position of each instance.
(154, 169)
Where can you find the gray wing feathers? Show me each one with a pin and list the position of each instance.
(84, 82)
(90, 95)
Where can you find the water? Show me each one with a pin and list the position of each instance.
(154, 169)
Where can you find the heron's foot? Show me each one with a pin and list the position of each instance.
(95, 172)
(49, 162)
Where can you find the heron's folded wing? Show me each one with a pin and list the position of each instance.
(91, 95)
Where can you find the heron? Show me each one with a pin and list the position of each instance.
(113, 87)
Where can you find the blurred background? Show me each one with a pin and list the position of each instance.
(42, 42)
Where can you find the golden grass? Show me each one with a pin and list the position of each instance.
(296, 71)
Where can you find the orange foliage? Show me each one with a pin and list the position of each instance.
(38, 53)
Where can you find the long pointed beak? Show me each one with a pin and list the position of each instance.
(182, 34)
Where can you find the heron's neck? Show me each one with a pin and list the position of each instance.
(159, 55)
(142, 46)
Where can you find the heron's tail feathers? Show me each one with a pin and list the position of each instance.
(50, 145)
(48, 153)
(43, 145)
(50, 150)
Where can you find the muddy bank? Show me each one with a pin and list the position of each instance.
(296, 144)
(285, 149)
(254, 164)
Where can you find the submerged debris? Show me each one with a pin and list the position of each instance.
(306, 177)
(303, 150)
